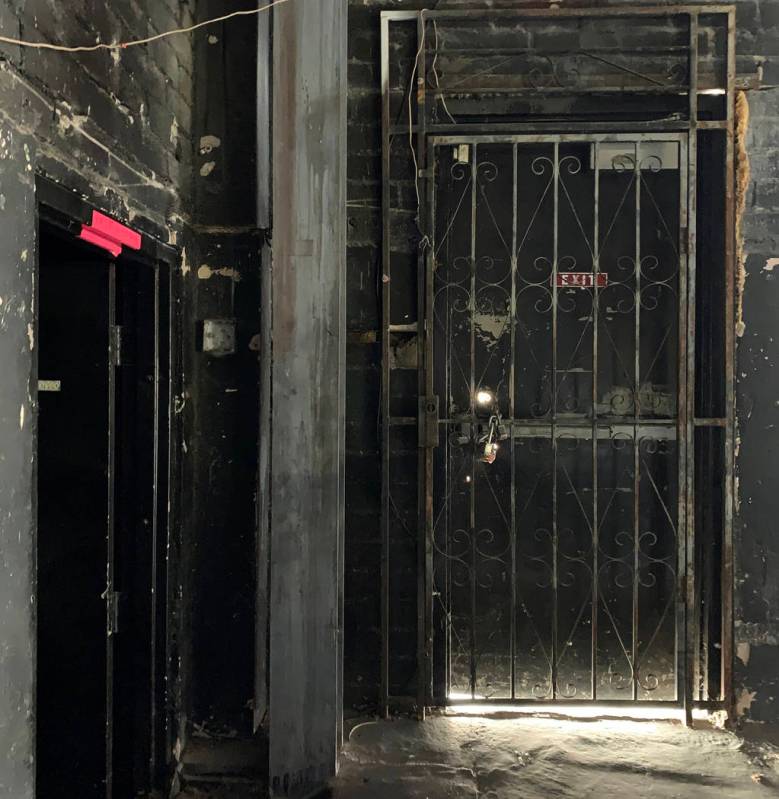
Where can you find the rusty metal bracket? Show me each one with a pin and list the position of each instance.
(428, 422)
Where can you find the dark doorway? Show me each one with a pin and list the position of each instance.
(103, 441)
(559, 305)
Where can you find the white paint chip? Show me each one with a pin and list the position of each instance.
(205, 272)
(209, 143)
(770, 264)
(744, 701)
(743, 652)
(207, 168)
(213, 39)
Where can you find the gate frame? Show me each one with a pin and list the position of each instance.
(419, 132)
(685, 534)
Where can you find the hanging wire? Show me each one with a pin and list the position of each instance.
(91, 48)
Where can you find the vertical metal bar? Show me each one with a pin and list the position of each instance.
(726, 690)
(555, 255)
(472, 510)
(175, 377)
(110, 534)
(595, 322)
(155, 530)
(424, 461)
(512, 414)
(692, 615)
(385, 367)
(427, 326)
(447, 457)
(636, 415)
(685, 183)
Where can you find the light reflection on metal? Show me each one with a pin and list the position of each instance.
(485, 398)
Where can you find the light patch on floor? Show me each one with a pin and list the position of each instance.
(544, 758)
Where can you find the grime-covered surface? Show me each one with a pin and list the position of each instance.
(756, 538)
(756, 541)
(494, 758)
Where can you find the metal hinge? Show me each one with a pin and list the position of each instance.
(428, 421)
(112, 611)
(115, 345)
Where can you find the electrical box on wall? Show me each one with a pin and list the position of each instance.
(219, 336)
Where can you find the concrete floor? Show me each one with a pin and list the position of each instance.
(449, 757)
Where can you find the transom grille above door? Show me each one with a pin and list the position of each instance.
(558, 273)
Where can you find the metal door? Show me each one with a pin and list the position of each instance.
(558, 292)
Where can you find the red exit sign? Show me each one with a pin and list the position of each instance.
(582, 280)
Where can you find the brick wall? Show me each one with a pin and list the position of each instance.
(757, 536)
(124, 130)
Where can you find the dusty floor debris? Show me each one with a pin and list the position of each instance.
(541, 758)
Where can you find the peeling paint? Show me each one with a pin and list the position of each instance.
(31, 336)
(744, 701)
(403, 355)
(209, 143)
(743, 651)
(770, 264)
(207, 168)
(205, 272)
(490, 327)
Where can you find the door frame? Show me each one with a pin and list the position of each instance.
(685, 534)
(67, 211)
(417, 27)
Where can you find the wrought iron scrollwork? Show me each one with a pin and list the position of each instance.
(574, 520)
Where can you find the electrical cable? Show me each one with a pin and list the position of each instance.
(91, 48)
(425, 241)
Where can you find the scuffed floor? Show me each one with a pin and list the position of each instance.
(543, 758)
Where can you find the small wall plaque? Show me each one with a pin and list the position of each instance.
(219, 336)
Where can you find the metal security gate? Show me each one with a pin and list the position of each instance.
(557, 287)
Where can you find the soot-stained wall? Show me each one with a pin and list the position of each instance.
(115, 127)
(757, 509)
(756, 533)
(220, 404)
(162, 138)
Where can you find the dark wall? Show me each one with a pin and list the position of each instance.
(757, 516)
(163, 137)
(756, 532)
(117, 129)
(220, 405)
(362, 580)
